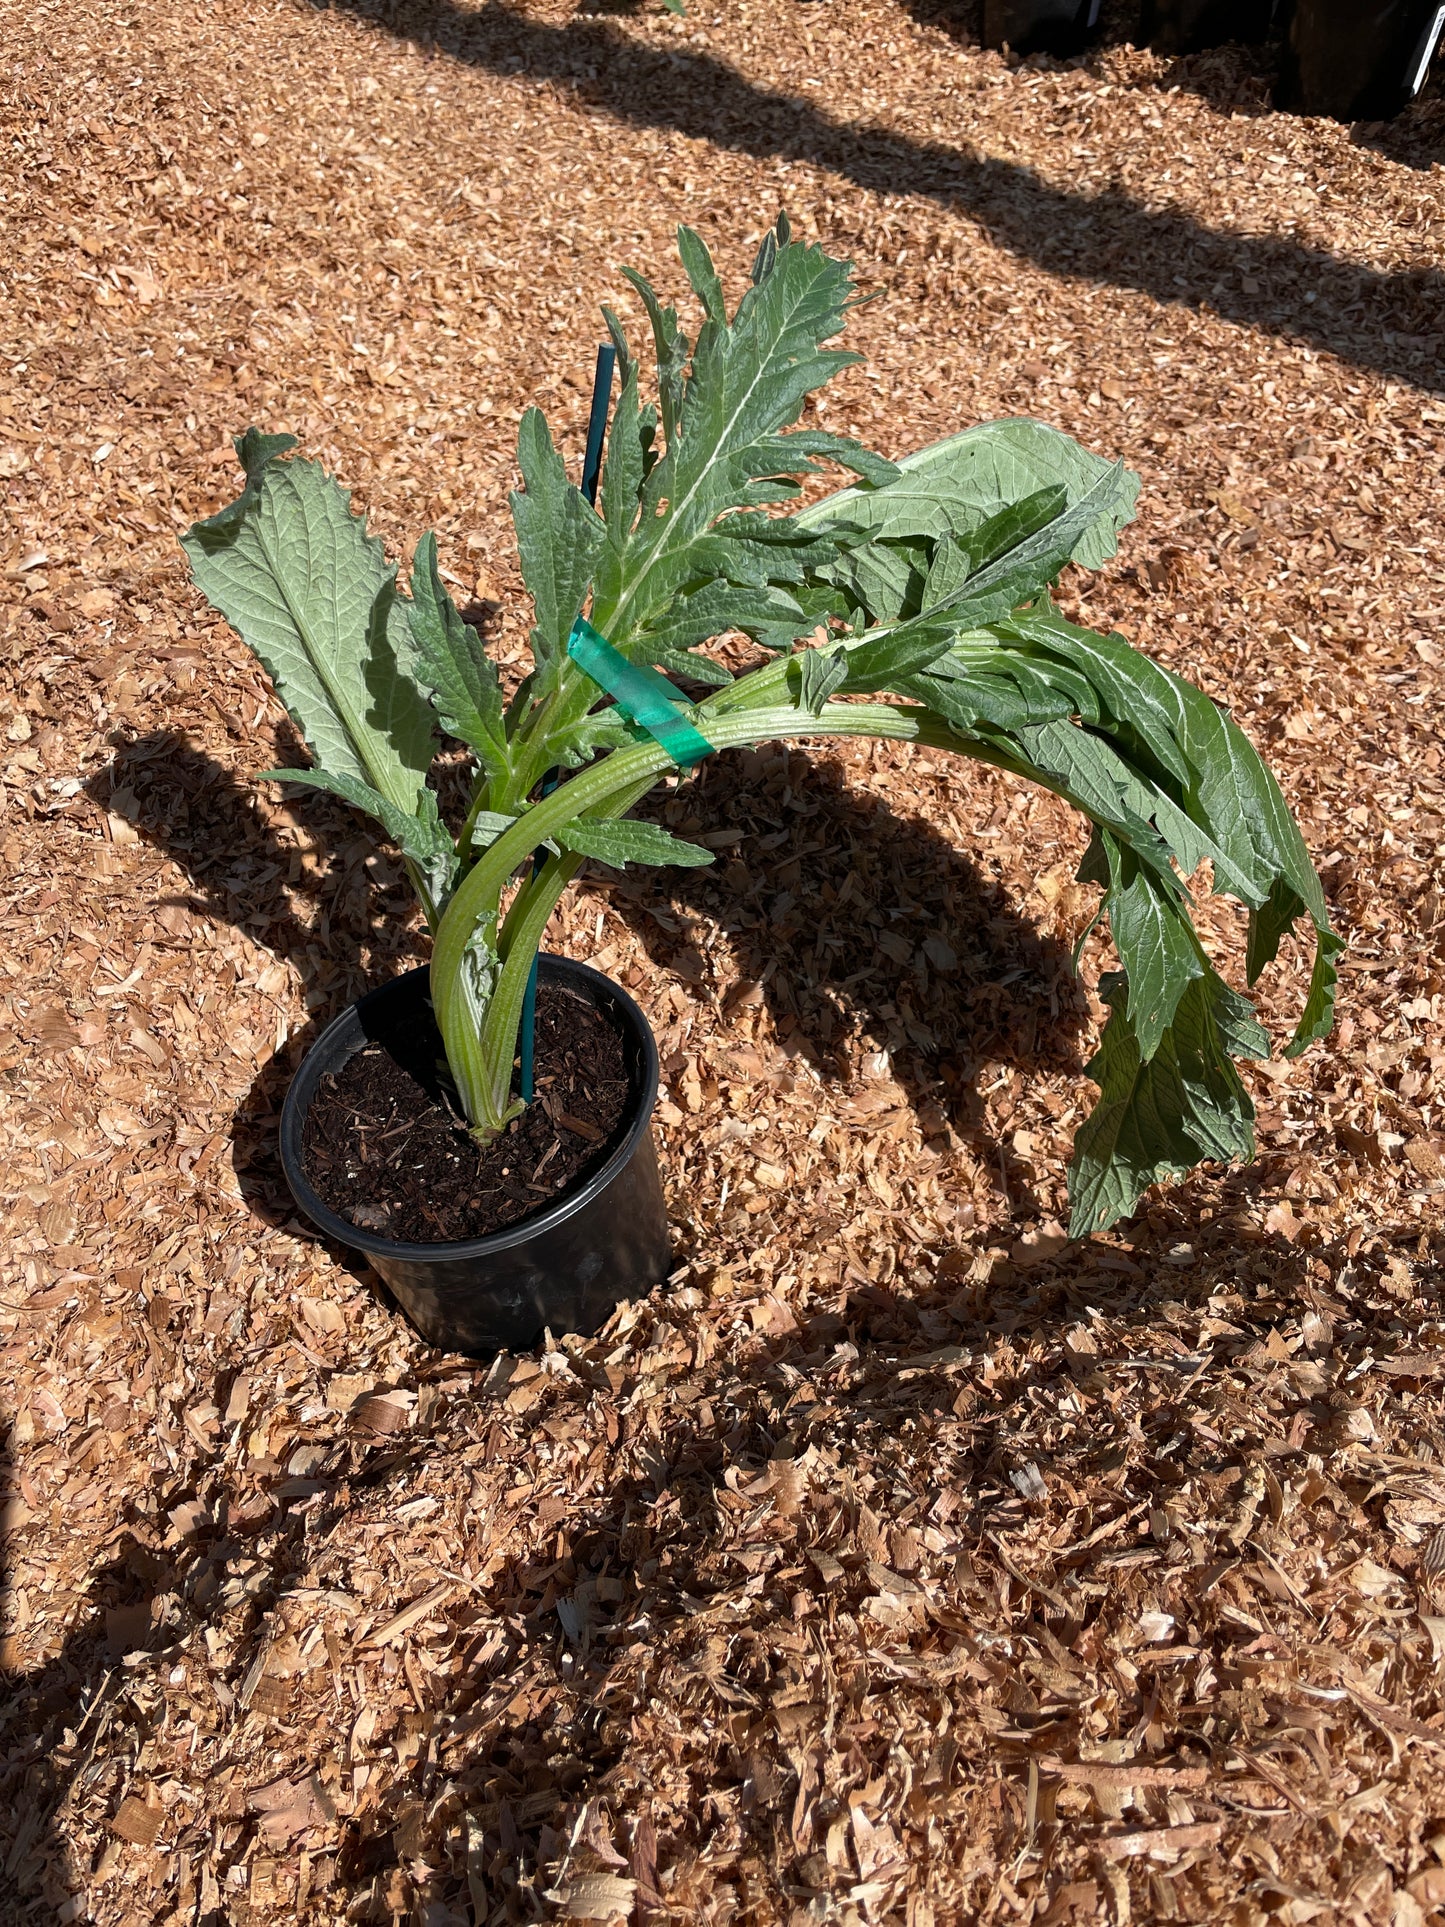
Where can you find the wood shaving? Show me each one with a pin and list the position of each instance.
(818, 1587)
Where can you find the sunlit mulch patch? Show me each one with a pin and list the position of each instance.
(902, 1560)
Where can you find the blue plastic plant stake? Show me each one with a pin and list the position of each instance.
(591, 470)
(597, 420)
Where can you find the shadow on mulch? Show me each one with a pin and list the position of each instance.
(827, 969)
(661, 1528)
(1374, 320)
(205, 818)
(140, 1609)
(1233, 76)
(59, 1725)
(851, 921)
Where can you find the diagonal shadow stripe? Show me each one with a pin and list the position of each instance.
(1389, 324)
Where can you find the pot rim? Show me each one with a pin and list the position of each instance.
(296, 1107)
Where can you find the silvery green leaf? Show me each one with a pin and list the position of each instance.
(487, 826)
(698, 266)
(797, 453)
(620, 842)
(711, 610)
(453, 665)
(688, 663)
(747, 382)
(819, 674)
(625, 468)
(672, 347)
(948, 570)
(559, 538)
(955, 484)
(295, 573)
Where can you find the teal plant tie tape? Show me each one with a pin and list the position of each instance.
(649, 699)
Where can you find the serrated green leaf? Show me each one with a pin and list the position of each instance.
(748, 381)
(1160, 1118)
(698, 266)
(254, 451)
(1318, 1016)
(712, 609)
(1026, 567)
(688, 663)
(559, 538)
(981, 699)
(1152, 932)
(984, 571)
(880, 660)
(948, 570)
(622, 842)
(626, 360)
(293, 570)
(766, 258)
(955, 484)
(820, 673)
(453, 666)
(423, 837)
(672, 348)
(625, 469)
(798, 452)
(487, 826)
(997, 535)
(887, 581)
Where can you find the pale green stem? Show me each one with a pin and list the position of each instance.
(480, 1054)
(517, 944)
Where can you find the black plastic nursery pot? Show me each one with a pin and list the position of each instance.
(563, 1269)
(1039, 26)
(1358, 59)
(1186, 26)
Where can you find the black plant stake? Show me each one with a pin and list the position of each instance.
(591, 470)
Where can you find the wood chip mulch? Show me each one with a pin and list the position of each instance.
(903, 1561)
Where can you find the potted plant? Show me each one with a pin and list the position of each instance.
(914, 605)
(1039, 26)
(1358, 61)
(1187, 26)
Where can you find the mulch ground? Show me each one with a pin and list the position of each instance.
(902, 1561)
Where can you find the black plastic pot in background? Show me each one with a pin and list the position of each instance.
(1187, 26)
(564, 1269)
(1358, 59)
(1039, 26)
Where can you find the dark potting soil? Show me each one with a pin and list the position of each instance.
(381, 1152)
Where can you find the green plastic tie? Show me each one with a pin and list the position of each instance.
(644, 696)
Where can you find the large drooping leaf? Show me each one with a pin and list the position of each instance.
(1160, 1118)
(295, 573)
(1217, 797)
(1168, 781)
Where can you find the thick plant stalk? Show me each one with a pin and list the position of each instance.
(481, 1055)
